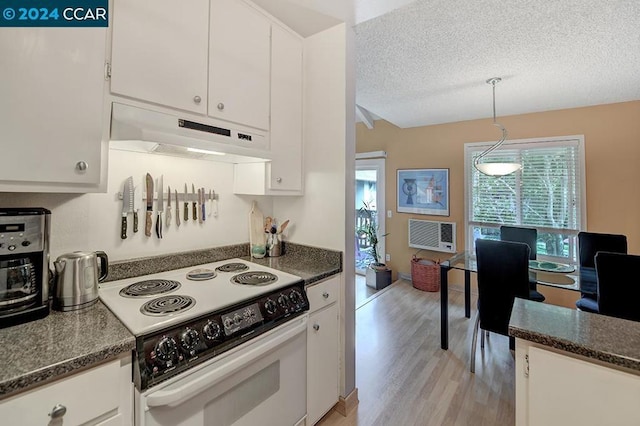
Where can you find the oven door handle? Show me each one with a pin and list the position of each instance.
(180, 394)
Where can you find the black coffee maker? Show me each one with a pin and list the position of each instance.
(24, 265)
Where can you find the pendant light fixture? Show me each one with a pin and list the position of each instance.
(495, 169)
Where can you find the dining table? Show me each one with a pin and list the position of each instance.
(546, 273)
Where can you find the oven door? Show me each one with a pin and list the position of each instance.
(262, 382)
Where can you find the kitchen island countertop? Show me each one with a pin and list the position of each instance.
(599, 337)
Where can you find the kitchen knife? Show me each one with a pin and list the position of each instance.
(168, 218)
(186, 203)
(214, 204)
(148, 218)
(177, 210)
(160, 208)
(202, 203)
(127, 206)
(195, 202)
(137, 200)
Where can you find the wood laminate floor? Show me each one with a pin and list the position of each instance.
(404, 378)
(363, 291)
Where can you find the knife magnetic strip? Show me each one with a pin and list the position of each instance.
(181, 198)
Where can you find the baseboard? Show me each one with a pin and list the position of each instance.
(346, 404)
(404, 276)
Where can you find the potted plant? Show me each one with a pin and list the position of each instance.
(378, 276)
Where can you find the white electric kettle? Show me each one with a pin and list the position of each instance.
(77, 279)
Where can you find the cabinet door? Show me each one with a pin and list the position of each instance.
(564, 390)
(51, 104)
(322, 362)
(239, 64)
(159, 52)
(86, 397)
(286, 111)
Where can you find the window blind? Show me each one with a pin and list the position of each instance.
(546, 194)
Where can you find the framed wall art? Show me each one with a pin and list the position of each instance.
(423, 191)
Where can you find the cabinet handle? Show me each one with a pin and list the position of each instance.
(316, 327)
(197, 99)
(82, 166)
(58, 411)
(279, 179)
(220, 106)
(325, 295)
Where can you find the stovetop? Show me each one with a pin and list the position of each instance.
(190, 298)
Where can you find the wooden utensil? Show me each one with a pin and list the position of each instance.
(267, 224)
(283, 226)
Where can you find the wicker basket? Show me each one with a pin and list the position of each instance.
(425, 274)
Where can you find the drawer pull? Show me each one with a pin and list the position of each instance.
(316, 327)
(58, 411)
(325, 295)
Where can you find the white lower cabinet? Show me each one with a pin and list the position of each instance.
(559, 388)
(322, 349)
(101, 396)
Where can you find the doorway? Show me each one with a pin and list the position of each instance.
(370, 189)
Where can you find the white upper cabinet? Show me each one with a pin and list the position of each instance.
(239, 64)
(51, 109)
(283, 174)
(286, 111)
(160, 51)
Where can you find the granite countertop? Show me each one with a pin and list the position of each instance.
(309, 263)
(608, 339)
(41, 350)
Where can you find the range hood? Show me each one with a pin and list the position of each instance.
(138, 129)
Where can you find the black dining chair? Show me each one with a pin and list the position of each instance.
(618, 293)
(503, 275)
(589, 243)
(529, 236)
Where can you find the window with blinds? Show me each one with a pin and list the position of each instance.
(547, 194)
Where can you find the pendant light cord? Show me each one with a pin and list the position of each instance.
(495, 146)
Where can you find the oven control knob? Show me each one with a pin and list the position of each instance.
(296, 297)
(211, 330)
(270, 306)
(165, 349)
(189, 339)
(283, 301)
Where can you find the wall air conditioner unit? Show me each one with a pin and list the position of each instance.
(431, 235)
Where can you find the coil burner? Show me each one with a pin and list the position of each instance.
(149, 288)
(254, 278)
(167, 305)
(232, 267)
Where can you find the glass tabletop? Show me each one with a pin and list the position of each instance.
(563, 276)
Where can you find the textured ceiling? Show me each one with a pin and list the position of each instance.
(422, 62)
(427, 62)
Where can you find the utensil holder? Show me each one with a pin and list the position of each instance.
(274, 245)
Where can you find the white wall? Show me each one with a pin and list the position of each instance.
(321, 217)
(92, 221)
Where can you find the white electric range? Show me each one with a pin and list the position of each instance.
(200, 329)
